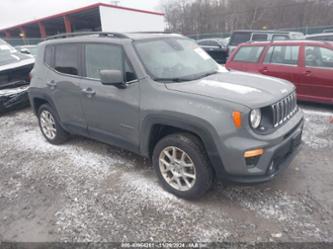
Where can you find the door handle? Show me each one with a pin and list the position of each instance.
(52, 84)
(89, 92)
(307, 73)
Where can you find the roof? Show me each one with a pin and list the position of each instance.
(288, 42)
(89, 7)
(106, 36)
(266, 31)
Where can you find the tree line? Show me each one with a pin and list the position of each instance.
(210, 16)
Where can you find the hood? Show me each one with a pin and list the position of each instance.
(251, 90)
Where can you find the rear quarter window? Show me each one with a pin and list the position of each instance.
(248, 54)
(49, 56)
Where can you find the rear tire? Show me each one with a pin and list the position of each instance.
(50, 126)
(182, 165)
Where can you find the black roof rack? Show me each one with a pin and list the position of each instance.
(75, 34)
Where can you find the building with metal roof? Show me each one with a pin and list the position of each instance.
(95, 17)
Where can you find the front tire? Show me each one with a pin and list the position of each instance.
(50, 126)
(182, 165)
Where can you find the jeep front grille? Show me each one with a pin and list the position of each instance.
(284, 109)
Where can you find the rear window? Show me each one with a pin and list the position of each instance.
(248, 53)
(287, 55)
(238, 38)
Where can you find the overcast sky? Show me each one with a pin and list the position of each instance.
(14, 12)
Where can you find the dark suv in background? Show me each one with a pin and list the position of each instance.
(163, 97)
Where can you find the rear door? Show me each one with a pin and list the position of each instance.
(63, 84)
(246, 59)
(316, 77)
(281, 61)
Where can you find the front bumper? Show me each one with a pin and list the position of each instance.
(278, 154)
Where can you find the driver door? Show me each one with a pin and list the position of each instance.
(112, 112)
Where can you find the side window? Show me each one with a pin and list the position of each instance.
(248, 54)
(49, 55)
(259, 37)
(67, 59)
(318, 57)
(105, 56)
(282, 55)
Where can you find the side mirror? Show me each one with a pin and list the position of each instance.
(25, 51)
(112, 77)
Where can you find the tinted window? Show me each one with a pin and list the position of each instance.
(103, 56)
(238, 38)
(67, 59)
(318, 57)
(248, 54)
(49, 55)
(283, 55)
(259, 37)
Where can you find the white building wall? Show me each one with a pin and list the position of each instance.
(120, 20)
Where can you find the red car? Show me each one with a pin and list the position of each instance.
(307, 64)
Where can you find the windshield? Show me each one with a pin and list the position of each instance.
(175, 59)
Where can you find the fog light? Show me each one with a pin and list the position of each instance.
(253, 153)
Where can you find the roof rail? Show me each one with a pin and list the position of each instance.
(75, 34)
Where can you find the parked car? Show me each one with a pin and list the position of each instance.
(28, 49)
(320, 37)
(307, 64)
(217, 48)
(195, 120)
(14, 78)
(241, 36)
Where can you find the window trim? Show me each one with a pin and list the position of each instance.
(282, 64)
(249, 62)
(124, 58)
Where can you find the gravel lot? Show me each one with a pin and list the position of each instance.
(88, 191)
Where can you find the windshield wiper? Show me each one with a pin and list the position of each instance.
(206, 75)
(181, 79)
(172, 79)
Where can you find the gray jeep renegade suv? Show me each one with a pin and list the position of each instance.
(163, 97)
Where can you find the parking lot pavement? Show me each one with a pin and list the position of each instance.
(88, 191)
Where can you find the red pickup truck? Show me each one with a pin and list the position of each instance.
(307, 64)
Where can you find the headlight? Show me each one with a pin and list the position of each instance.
(255, 118)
